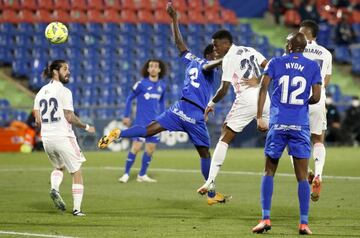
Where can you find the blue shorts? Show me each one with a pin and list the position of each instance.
(187, 117)
(152, 139)
(297, 138)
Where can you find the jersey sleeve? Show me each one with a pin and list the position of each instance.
(187, 57)
(317, 75)
(270, 69)
(329, 65)
(134, 92)
(259, 57)
(67, 100)
(228, 67)
(36, 102)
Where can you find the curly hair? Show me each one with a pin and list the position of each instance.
(144, 70)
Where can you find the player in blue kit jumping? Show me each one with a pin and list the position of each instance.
(150, 102)
(187, 114)
(293, 77)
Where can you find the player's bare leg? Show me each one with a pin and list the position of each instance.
(319, 154)
(136, 131)
(267, 185)
(227, 135)
(78, 192)
(300, 167)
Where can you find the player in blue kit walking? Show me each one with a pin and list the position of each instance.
(150, 102)
(293, 77)
(187, 114)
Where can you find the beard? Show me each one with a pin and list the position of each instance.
(64, 79)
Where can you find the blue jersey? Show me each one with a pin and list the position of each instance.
(150, 101)
(292, 76)
(198, 84)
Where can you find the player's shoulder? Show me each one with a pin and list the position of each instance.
(325, 51)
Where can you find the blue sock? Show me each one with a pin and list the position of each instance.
(146, 159)
(205, 168)
(267, 186)
(135, 131)
(129, 162)
(304, 200)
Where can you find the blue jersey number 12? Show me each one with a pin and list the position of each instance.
(296, 81)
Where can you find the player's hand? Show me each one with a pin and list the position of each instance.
(91, 129)
(207, 111)
(126, 121)
(252, 82)
(262, 125)
(170, 10)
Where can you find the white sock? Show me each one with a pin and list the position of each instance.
(77, 191)
(319, 154)
(217, 159)
(292, 160)
(56, 178)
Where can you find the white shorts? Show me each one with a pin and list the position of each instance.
(317, 116)
(64, 151)
(243, 111)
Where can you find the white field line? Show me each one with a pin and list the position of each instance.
(168, 170)
(32, 234)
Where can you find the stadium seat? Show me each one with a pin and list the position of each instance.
(194, 16)
(43, 15)
(112, 15)
(46, 4)
(111, 28)
(158, 5)
(27, 16)
(180, 5)
(4, 103)
(29, 4)
(213, 5)
(213, 16)
(62, 4)
(229, 16)
(10, 16)
(161, 16)
(78, 16)
(95, 4)
(13, 5)
(342, 54)
(95, 16)
(112, 4)
(129, 16)
(292, 18)
(61, 15)
(143, 4)
(78, 4)
(145, 16)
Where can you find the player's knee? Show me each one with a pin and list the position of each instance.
(150, 150)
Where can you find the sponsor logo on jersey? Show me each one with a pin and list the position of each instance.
(148, 96)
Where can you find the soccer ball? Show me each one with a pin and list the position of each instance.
(56, 32)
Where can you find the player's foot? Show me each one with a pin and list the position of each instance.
(218, 198)
(311, 176)
(107, 139)
(78, 213)
(208, 186)
(264, 225)
(57, 199)
(146, 179)
(315, 189)
(304, 229)
(124, 178)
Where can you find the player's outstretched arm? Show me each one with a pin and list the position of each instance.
(316, 93)
(175, 28)
(261, 124)
(37, 118)
(74, 120)
(212, 64)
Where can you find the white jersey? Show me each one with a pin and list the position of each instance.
(322, 56)
(240, 64)
(51, 100)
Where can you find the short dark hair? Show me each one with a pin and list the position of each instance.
(208, 50)
(223, 34)
(313, 26)
(55, 65)
(144, 70)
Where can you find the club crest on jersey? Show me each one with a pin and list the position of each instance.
(159, 89)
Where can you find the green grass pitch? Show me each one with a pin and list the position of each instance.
(171, 207)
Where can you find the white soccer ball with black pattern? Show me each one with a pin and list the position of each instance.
(56, 32)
